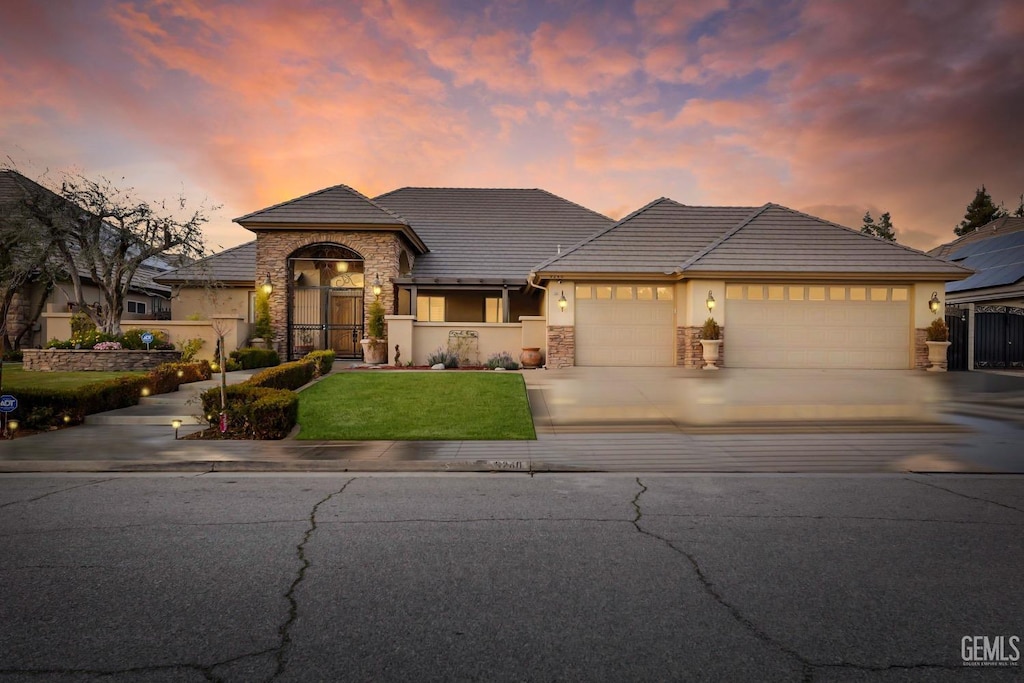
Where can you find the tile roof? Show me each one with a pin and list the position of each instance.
(997, 261)
(236, 265)
(489, 234)
(336, 205)
(666, 237)
(999, 226)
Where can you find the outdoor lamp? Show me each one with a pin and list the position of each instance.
(268, 286)
(176, 424)
(376, 285)
(934, 302)
(342, 266)
(145, 391)
(563, 303)
(711, 301)
(12, 426)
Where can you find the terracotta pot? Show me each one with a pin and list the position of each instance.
(375, 351)
(937, 351)
(530, 357)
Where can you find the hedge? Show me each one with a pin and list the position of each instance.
(253, 412)
(324, 361)
(288, 376)
(169, 376)
(250, 357)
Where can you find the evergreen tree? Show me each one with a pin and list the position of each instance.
(1019, 213)
(980, 211)
(883, 228)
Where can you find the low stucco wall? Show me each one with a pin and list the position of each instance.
(492, 338)
(87, 359)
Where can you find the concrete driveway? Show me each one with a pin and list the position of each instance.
(672, 399)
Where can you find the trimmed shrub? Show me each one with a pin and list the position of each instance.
(169, 376)
(447, 357)
(250, 357)
(710, 330)
(253, 412)
(502, 360)
(44, 407)
(323, 360)
(189, 348)
(937, 331)
(287, 376)
(375, 320)
(12, 356)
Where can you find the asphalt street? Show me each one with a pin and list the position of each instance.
(410, 577)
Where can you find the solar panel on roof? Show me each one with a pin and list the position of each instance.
(992, 277)
(996, 243)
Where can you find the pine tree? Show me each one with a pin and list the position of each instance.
(980, 211)
(869, 224)
(1019, 213)
(883, 228)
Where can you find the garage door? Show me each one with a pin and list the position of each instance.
(823, 326)
(625, 325)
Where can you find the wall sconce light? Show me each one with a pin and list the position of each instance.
(176, 424)
(563, 303)
(377, 287)
(933, 303)
(267, 285)
(342, 266)
(711, 301)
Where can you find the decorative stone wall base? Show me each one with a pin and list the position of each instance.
(690, 352)
(561, 346)
(107, 361)
(921, 349)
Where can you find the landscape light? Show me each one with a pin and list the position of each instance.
(176, 424)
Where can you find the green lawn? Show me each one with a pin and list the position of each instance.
(15, 378)
(455, 406)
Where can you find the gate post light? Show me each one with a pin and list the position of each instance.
(176, 424)
(268, 286)
(933, 303)
(711, 301)
(377, 287)
(563, 303)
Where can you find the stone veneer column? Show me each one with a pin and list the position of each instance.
(380, 250)
(561, 346)
(921, 350)
(690, 352)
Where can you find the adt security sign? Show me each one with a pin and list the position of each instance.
(147, 339)
(8, 404)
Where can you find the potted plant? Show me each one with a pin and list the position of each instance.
(305, 344)
(375, 347)
(937, 339)
(711, 340)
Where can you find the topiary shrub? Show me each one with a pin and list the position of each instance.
(286, 376)
(447, 357)
(169, 376)
(323, 361)
(710, 330)
(253, 412)
(502, 360)
(375, 321)
(251, 357)
(937, 331)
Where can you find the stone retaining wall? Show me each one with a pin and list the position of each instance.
(87, 359)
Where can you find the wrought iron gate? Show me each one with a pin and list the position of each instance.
(959, 336)
(325, 318)
(998, 337)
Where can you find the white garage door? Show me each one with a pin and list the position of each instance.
(625, 325)
(823, 326)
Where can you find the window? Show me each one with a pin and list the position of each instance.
(624, 293)
(755, 292)
(734, 292)
(837, 293)
(899, 294)
(583, 292)
(816, 293)
(136, 307)
(775, 292)
(603, 292)
(645, 293)
(879, 293)
(664, 293)
(796, 293)
(858, 294)
(430, 309)
(492, 311)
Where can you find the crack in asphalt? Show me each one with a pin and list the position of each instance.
(53, 493)
(284, 630)
(964, 495)
(807, 665)
(837, 517)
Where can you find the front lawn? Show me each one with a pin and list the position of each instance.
(413, 406)
(15, 378)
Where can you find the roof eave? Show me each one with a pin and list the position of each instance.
(418, 244)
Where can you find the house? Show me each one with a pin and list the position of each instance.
(41, 308)
(501, 269)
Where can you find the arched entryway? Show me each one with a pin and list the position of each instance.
(325, 300)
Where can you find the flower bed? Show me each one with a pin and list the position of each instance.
(91, 359)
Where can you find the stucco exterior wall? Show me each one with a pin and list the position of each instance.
(199, 303)
(492, 338)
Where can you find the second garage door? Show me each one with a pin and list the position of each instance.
(799, 326)
(625, 325)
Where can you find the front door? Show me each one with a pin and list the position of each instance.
(345, 328)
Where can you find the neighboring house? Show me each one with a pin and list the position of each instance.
(995, 252)
(511, 268)
(147, 299)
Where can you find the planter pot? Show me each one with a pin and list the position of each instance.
(711, 347)
(375, 351)
(259, 343)
(937, 351)
(530, 357)
(302, 349)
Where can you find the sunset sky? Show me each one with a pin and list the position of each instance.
(832, 108)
